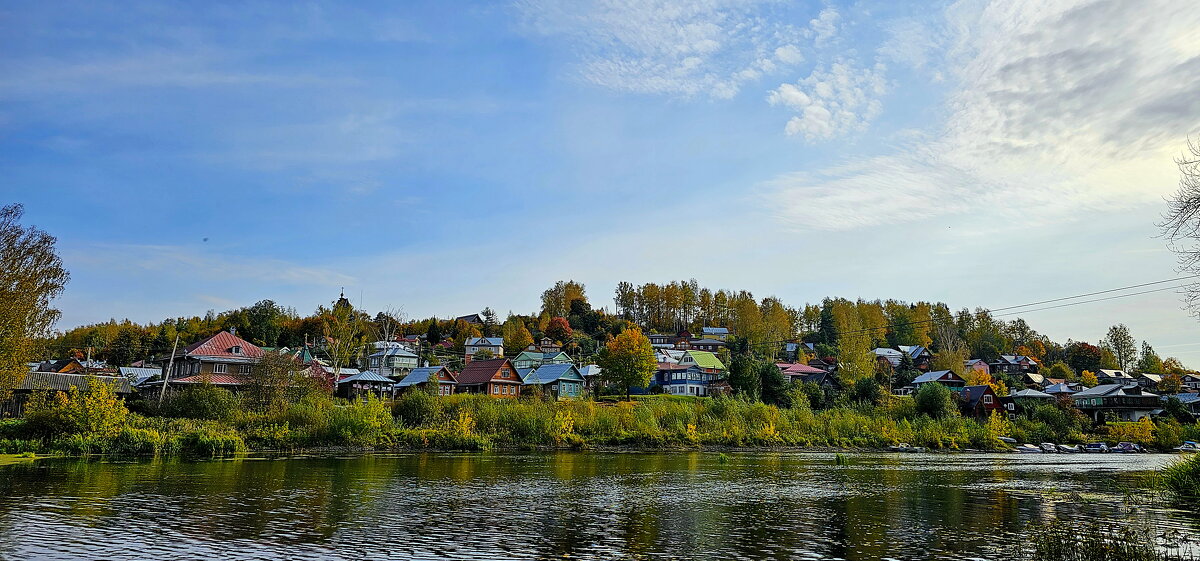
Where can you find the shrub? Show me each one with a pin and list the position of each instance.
(134, 442)
(363, 423)
(935, 400)
(203, 401)
(210, 441)
(417, 408)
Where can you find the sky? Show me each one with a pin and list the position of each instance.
(439, 157)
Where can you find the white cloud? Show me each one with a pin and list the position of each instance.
(668, 47)
(1057, 109)
(832, 100)
(192, 263)
(825, 25)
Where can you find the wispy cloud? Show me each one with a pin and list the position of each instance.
(832, 100)
(1055, 108)
(675, 48)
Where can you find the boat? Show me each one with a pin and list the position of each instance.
(1127, 448)
(1096, 448)
(1028, 449)
(1049, 448)
(1188, 446)
(905, 447)
(1072, 449)
(1008, 441)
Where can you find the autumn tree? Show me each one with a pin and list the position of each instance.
(559, 330)
(31, 276)
(1170, 384)
(627, 360)
(1082, 356)
(1122, 345)
(273, 380)
(516, 336)
(342, 328)
(556, 300)
(1088, 378)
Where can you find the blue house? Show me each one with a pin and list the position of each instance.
(562, 381)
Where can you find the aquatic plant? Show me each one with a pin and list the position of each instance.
(1182, 479)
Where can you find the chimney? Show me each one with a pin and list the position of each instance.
(233, 331)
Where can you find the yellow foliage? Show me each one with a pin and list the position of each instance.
(464, 425)
(1089, 378)
(1141, 432)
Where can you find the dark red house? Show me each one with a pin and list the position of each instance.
(979, 401)
(496, 377)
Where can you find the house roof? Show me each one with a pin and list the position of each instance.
(1030, 393)
(1037, 378)
(798, 369)
(913, 350)
(707, 342)
(1116, 374)
(56, 365)
(590, 370)
(1111, 389)
(138, 375)
(420, 376)
(973, 361)
(470, 318)
(551, 373)
(1184, 398)
(219, 346)
(705, 359)
(394, 351)
(972, 394)
(1060, 387)
(63, 382)
(671, 367)
(481, 371)
(485, 342)
(934, 376)
(1016, 359)
(1156, 378)
(214, 379)
(714, 330)
(366, 376)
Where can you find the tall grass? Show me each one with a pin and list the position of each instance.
(1182, 479)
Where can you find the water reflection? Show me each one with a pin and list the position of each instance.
(562, 505)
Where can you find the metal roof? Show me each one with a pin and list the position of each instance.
(366, 376)
(64, 382)
(485, 342)
(419, 376)
(551, 373)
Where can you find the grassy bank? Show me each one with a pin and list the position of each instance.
(208, 421)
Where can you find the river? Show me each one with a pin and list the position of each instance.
(592, 505)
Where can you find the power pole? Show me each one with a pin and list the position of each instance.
(167, 373)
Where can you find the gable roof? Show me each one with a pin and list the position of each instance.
(1030, 393)
(705, 359)
(798, 369)
(972, 394)
(63, 382)
(214, 379)
(551, 373)
(1015, 359)
(138, 375)
(1060, 387)
(714, 330)
(218, 346)
(935, 376)
(1115, 374)
(485, 342)
(394, 351)
(590, 370)
(1112, 389)
(422, 375)
(366, 376)
(482, 371)
(707, 342)
(913, 350)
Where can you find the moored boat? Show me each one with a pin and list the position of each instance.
(1127, 448)
(1028, 449)
(1096, 448)
(1188, 446)
(1072, 449)
(1049, 448)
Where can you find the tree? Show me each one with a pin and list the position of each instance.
(126, 347)
(1149, 363)
(1060, 370)
(516, 336)
(559, 329)
(774, 385)
(745, 378)
(866, 390)
(388, 324)
(556, 300)
(1082, 356)
(1088, 379)
(271, 380)
(483, 354)
(434, 333)
(342, 330)
(1122, 345)
(935, 400)
(1181, 223)
(31, 276)
(627, 360)
(1170, 384)
(490, 324)
(905, 373)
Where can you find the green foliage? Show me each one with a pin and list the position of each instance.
(935, 400)
(1060, 370)
(202, 401)
(1182, 479)
(1059, 540)
(745, 377)
(866, 391)
(415, 408)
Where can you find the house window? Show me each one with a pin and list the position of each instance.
(244, 369)
(504, 373)
(496, 389)
(220, 368)
(987, 399)
(236, 350)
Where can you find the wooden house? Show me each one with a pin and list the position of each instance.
(422, 377)
(978, 401)
(222, 355)
(558, 381)
(943, 377)
(1127, 403)
(494, 345)
(496, 377)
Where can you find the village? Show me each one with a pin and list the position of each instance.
(687, 365)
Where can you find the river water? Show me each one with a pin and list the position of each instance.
(593, 505)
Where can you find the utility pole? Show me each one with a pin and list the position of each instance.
(167, 373)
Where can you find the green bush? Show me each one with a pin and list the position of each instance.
(210, 441)
(416, 408)
(935, 400)
(363, 423)
(203, 401)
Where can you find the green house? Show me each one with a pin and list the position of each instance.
(534, 359)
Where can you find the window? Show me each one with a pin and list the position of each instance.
(236, 350)
(495, 389)
(987, 399)
(244, 369)
(220, 368)
(504, 373)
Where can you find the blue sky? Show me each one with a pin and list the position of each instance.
(442, 157)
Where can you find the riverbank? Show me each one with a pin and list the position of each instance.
(208, 421)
